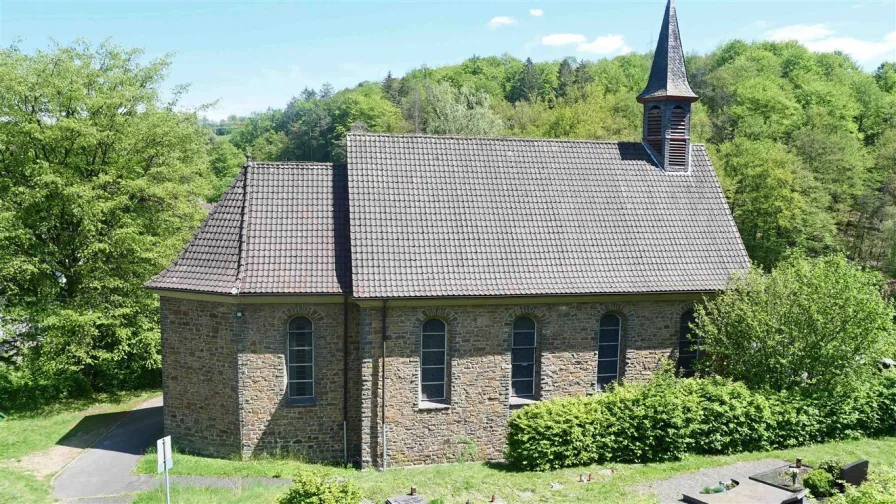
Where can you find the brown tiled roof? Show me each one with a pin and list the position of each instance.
(448, 216)
(281, 228)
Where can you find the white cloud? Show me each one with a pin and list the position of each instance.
(800, 32)
(561, 39)
(536, 12)
(604, 45)
(499, 21)
(607, 44)
(820, 38)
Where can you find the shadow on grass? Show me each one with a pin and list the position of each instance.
(501, 466)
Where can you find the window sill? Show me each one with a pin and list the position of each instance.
(522, 401)
(429, 405)
(301, 402)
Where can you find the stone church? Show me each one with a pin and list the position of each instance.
(395, 310)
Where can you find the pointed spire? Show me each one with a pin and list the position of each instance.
(668, 77)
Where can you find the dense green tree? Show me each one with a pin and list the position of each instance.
(773, 200)
(565, 77)
(816, 325)
(226, 161)
(885, 75)
(527, 84)
(101, 180)
(392, 88)
(463, 112)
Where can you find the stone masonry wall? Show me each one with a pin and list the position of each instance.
(269, 422)
(473, 424)
(224, 380)
(199, 376)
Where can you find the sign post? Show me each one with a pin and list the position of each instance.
(163, 452)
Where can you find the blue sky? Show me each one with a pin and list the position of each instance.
(250, 55)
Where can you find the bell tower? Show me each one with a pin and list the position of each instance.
(667, 100)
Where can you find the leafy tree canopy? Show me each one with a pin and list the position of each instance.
(816, 325)
(101, 179)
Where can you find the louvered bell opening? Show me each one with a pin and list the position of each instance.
(654, 136)
(678, 122)
(678, 153)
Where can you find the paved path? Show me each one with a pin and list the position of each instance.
(102, 474)
(669, 491)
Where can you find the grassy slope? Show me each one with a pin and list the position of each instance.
(455, 483)
(23, 434)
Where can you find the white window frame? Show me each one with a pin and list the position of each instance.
(290, 364)
(601, 357)
(444, 366)
(534, 362)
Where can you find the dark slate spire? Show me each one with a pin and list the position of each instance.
(668, 78)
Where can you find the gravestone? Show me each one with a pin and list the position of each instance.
(855, 473)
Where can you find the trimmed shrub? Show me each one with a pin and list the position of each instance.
(732, 419)
(669, 417)
(311, 488)
(820, 483)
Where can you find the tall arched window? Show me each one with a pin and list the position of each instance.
(432, 360)
(522, 358)
(300, 358)
(688, 348)
(608, 343)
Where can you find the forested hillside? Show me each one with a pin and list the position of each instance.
(804, 143)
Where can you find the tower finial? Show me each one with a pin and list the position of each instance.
(248, 157)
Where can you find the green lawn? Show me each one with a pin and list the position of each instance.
(24, 433)
(72, 423)
(455, 483)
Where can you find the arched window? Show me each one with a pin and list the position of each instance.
(608, 343)
(432, 360)
(300, 358)
(688, 348)
(522, 358)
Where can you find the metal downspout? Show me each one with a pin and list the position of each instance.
(383, 387)
(345, 380)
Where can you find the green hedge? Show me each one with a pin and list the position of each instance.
(669, 417)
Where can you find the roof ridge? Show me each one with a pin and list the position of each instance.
(493, 138)
(267, 164)
(238, 283)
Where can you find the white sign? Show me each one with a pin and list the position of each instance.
(163, 450)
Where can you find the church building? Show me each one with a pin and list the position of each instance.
(396, 309)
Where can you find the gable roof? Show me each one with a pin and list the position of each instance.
(448, 216)
(436, 216)
(281, 228)
(668, 77)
